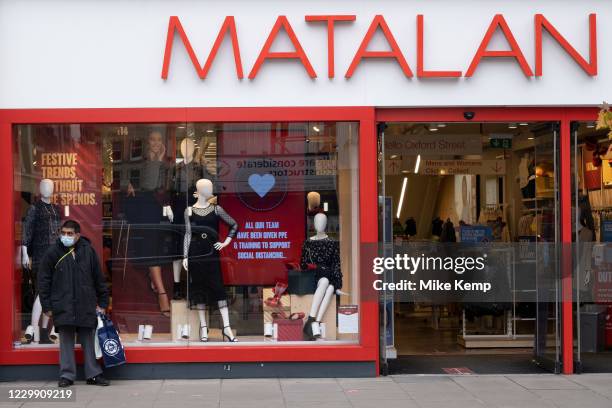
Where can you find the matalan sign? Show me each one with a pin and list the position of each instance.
(451, 167)
(513, 53)
(433, 145)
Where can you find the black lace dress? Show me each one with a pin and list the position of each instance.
(325, 254)
(205, 283)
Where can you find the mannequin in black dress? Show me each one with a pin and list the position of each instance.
(324, 253)
(201, 251)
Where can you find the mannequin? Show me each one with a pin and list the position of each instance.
(201, 257)
(40, 230)
(185, 176)
(324, 253)
(146, 207)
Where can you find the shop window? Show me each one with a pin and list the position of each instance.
(285, 193)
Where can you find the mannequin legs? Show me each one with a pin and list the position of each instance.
(227, 330)
(177, 267)
(156, 278)
(203, 326)
(320, 302)
(34, 332)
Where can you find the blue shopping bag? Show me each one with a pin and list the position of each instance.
(110, 343)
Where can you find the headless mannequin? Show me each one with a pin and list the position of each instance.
(187, 150)
(46, 191)
(204, 189)
(324, 292)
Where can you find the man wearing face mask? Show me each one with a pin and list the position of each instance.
(72, 288)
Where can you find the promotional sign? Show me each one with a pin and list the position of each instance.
(451, 167)
(70, 157)
(476, 233)
(606, 231)
(266, 197)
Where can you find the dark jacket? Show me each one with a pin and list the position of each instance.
(71, 286)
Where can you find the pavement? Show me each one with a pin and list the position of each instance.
(402, 391)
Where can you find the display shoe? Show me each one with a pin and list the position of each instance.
(227, 334)
(204, 334)
(98, 380)
(164, 312)
(53, 334)
(316, 329)
(307, 330)
(29, 334)
(44, 336)
(176, 292)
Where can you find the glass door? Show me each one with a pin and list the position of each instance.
(544, 204)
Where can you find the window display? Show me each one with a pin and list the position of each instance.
(207, 232)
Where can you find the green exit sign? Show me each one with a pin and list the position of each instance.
(501, 143)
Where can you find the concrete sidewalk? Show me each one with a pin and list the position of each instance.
(405, 391)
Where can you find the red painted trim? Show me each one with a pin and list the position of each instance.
(330, 36)
(7, 249)
(366, 350)
(483, 114)
(565, 182)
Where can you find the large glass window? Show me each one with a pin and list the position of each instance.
(205, 232)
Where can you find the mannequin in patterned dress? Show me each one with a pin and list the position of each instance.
(324, 253)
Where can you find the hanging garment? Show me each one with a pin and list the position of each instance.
(150, 241)
(411, 227)
(205, 283)
(325, 254)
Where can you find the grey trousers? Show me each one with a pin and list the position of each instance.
(67, 360)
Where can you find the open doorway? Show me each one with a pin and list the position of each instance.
(442, 182)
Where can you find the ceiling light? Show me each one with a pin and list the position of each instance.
(393, 156)
(401, 200)
(417, 164)
(512, 126)
(405, 171)
(590, 125)
(433, 128)
(530, 138)
(181, 127)
(210, 130)
(316, 129)
(441, 125)
(523, 124)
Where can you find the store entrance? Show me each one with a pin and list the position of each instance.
(447, 186)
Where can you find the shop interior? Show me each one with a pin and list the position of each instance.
(442, 180)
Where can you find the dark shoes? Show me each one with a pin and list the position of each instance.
(64, 382)
(44, 336)
(177, 291)
(98, 380)
(307, 330)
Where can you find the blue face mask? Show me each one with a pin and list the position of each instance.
(67, 241)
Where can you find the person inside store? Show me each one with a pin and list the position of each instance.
(72, 289)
